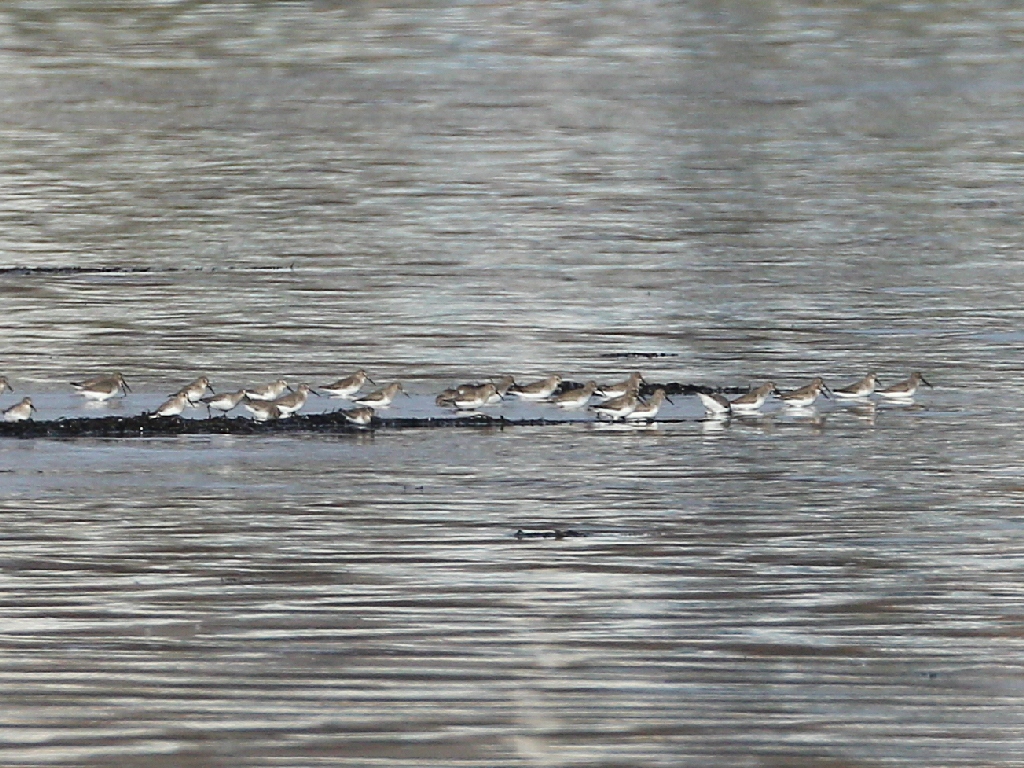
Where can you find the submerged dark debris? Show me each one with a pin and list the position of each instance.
(556, 533)
(638, 355)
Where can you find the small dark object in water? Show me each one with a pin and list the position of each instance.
(636, 355)
(556, 533)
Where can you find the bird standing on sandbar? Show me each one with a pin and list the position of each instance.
(631, 384)
(290, 403)
(19, 411)
(648, 409)
(224, 402)
(361, 416)
(194, 390)
(346, 387)
(172, 407)
(383, 397)
(537, 390)
(270, 391)
(618, 407)
(102, 388)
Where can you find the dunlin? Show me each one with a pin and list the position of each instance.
(101, 387)
(5, 385)
(905, 389)
(20, 411)
(859, 390)
(715, 404)
(262, 410)
(447, 398)
(382, 397)
(631, 384)
(345, 388)
(467, 392)
(270, 391)
(503, 385)
(471, 398)
(195, 390)
(805, 396)
(173, 406)
(224, 402)
(290, 403)
(753, 400)
(648, 409)
(617, 407)
(575, 398)
(361, 417)
(538, 390)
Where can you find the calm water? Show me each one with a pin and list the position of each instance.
(439, 192)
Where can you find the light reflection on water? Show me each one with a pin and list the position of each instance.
(445, 193)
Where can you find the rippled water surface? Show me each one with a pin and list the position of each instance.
(441, 192)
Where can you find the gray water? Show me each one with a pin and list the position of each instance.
(441, 192)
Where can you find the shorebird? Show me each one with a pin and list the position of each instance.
(270, 391)
(859, 389)
(224, 402)
(537, 390)
(5, 385)
(905, 389)
(617, 407)
(262, 410)
(631, 384)
(471, 398)
(806, 395)
(715, 404)
(753, 400)
(648, 409)
(361, 417)
(382, 397)
(575, 398)
(503, 385)
(20, 411)
(195, 390)
(466, 393)
(101, 387)
(447, 398)
(290, 403)
(348, 386)
(173, 406)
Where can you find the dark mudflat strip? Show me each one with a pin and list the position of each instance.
(72, 270)
(143, 425)
(320, 423)
(675, 388)
(672, 388)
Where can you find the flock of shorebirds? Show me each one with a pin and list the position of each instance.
(804, 397)
(613, 402)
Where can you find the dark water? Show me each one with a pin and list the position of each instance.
(440, 192)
